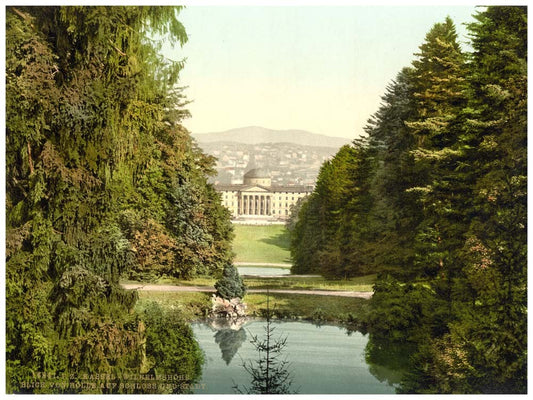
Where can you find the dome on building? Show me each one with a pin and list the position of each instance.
(257, 176)
(257, 173)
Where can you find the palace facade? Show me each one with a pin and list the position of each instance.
(257, 199)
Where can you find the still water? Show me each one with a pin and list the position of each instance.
(263, 271)
(323, 359)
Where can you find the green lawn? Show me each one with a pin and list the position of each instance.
(314, 308)
(358, 284)
(192, 305)
(261, 243)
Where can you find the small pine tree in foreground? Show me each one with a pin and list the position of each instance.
(269, 373)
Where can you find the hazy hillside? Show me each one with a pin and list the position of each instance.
(256, 135)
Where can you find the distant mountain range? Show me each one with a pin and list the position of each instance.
(257, 135)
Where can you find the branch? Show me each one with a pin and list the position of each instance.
(117, 49)
(26, 17)
(29, 158)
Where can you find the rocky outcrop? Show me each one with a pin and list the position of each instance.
(222, 324)
(230, 309)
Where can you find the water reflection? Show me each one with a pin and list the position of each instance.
(263, 271)
(388, 361)
(230, 341)
(325, 360)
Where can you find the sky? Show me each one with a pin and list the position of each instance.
(317, 68)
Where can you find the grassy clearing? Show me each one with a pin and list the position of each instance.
(193, 305)
(315, 308)
(261, 243)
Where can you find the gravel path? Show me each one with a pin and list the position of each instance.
(209, 289)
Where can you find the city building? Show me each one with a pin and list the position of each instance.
(256, 198)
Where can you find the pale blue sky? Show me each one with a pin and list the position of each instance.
(317, 68)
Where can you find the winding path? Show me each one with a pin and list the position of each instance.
(210, 289)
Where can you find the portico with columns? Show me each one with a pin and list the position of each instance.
(256, 199)
(254, 203)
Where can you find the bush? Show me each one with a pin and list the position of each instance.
(402, 311)
(171, 348)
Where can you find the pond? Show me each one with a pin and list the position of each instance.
(263, 271)
(323, 359)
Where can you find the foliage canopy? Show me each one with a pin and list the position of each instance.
(434, 200)
(102, 182)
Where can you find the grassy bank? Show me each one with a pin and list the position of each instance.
(284, 306)
(308, 307)
(261, 243)
(193, 305)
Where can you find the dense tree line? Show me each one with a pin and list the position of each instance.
(434, 201)
(102, 182)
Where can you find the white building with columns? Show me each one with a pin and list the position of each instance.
(256, 199)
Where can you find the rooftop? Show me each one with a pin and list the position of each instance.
(257, 173)
(289, 189)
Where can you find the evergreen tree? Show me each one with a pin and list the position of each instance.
(439, 90)
(435, 202)
(307, 236)
(330, 234)
(443, 192)
(469, 151)
(269, 373)
(231, 285)
(295, 208)
(100, 176)
(396, 209)
(484, 347)
(493, 326)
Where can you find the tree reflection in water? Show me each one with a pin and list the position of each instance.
(230, 341)
(388, 361)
